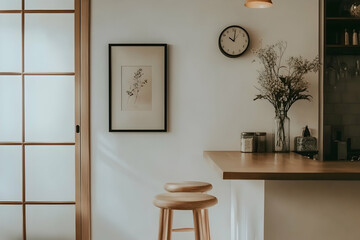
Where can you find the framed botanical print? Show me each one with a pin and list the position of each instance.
(138, 87)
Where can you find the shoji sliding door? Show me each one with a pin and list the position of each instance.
(40, 86)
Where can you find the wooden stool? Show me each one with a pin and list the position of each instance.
(197, 202)
(188, 187)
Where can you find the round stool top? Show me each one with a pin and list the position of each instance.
(185, 201)
(188, 187)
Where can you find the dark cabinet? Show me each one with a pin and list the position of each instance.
(341, 88)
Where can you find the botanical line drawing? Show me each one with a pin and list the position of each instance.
(138, 83)
(137, 88)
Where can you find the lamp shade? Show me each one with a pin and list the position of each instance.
(258, 3)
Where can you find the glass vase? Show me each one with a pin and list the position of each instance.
(282, 133)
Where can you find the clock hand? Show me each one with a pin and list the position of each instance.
(234, 34)
(232, 39)
(235, 37)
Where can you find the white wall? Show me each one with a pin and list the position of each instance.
(210, 103)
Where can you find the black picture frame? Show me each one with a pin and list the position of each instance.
(164, 125)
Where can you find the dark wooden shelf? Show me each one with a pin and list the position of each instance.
(234, 165)
(342, 49)
(343, 19)
(342, 46)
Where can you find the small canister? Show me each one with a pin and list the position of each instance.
(260, 142)
(247, 142)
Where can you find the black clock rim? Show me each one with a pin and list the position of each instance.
(237, 55)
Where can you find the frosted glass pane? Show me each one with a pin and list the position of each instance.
(10, 108)
(10, 5)
(49, 42)
(10, 42)
(50, 173)
(50, 222)
(10, 173)
(50, 108)
(49, 4)
(11, 222)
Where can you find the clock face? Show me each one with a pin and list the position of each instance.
(234, 41)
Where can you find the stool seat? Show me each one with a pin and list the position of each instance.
(184, 201)
(188, 187)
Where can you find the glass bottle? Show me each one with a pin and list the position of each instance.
(281, 132)
(346, 38)
(354, 38)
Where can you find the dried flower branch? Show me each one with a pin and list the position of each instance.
(283, 85)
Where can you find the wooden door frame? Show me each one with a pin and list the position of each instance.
(82, 117)
(85, 161)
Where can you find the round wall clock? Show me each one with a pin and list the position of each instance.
(234, 41)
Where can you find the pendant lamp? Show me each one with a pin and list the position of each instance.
(258, 3)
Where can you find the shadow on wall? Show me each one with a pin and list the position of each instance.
(119, 165)
(122, 193)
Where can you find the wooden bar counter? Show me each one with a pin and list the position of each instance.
(234, 165)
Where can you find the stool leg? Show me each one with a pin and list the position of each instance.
(206, 224)
(161, 223)
(165, 224)
(198, 224)
(203, 226)
(169, 223)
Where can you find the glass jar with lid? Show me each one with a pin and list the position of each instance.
(247, 142)
(260, 142)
